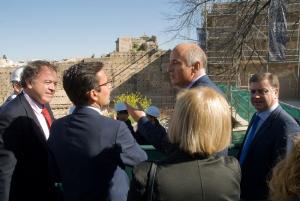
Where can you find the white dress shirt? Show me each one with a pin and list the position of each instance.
(37, 109)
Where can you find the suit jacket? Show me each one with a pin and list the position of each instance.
(9, 98)
(192, 178)
(23, 141)
(205, 81)
(157, 136)
(88, 153)
(268, 145)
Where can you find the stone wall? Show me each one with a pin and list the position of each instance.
(5, 86)
(143, 72)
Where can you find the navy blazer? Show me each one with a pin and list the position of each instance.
(268, 146)
(9, 98)
(22, 140)
(88, 153)
(205, 81)
(157, 136)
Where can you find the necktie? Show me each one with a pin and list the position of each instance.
(249, 139)
(47, 116)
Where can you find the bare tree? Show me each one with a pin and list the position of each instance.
(238, 38)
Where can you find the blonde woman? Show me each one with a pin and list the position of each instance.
(285, 182)
(200, 127)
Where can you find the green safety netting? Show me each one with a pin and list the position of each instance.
(240, 100)
(293, 111)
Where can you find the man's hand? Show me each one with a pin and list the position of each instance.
(135, 113)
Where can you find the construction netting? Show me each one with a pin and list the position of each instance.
(240, 101)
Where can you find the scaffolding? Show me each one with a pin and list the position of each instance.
(220, 23)
(231, 72)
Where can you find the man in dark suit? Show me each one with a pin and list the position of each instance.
(267, 137)
(187, 69)
(23, 134)
(88, 151)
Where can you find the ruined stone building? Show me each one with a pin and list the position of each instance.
(131, 44)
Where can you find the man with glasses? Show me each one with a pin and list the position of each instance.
(268, 136)
(88, 151)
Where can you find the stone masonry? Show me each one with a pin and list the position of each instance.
(142, 71)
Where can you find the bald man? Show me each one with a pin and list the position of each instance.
(187, 69)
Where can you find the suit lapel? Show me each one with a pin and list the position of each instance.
(263, 129)
(31, 115)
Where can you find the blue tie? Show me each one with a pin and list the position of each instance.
(249, 139)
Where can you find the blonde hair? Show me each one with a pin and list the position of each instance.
(285, 180)
(201, 122)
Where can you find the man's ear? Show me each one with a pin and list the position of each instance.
(28, 84)
(196, 66)
(276, 92)
(92, 95)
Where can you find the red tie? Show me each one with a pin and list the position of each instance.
(47, 116)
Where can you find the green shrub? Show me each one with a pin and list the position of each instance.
(133, 99)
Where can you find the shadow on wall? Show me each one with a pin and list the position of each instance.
(151, 81)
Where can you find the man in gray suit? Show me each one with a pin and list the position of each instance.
(269, 135)
(88, 151)
(187, 69)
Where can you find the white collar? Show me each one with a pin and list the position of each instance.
(34, 105)
(194, 80)
(94, 108)
(265, 114)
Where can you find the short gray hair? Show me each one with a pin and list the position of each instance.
(194, 54)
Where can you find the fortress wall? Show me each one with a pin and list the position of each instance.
(131, 72)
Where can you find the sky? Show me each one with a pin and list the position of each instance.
(61, 29)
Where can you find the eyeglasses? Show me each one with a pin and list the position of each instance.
(259, 91)
(108, 83)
